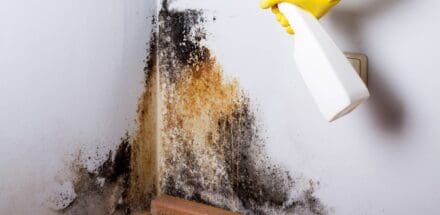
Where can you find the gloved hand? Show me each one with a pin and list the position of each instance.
(317, 8)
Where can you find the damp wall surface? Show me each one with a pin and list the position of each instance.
(382, 158)
(71, 73)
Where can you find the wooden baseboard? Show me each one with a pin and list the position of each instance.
(168, 205)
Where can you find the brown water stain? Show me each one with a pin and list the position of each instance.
(143, 165)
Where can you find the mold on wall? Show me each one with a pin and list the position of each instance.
(198, 138)
(104, 190)
(77, 90)
(212, 150)
(125, 182)
(143, 165)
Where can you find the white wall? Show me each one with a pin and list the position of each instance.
(70, 76)
(384, 157)
(71, 72)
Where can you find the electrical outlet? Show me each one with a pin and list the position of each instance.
(360, 64)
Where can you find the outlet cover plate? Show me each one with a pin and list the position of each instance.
(360, 63)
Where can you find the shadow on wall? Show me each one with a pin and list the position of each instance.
(386, 106)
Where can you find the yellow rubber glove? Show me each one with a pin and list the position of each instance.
(317, 8)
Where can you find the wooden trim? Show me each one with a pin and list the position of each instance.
(168, 205)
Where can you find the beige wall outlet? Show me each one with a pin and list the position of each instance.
(360, 64)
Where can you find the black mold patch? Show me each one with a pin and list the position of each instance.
(113, 169)
(104, 191)
(260, 186)
(150, 63)
(254, 181)
(180, 37)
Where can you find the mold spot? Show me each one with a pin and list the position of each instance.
(104, 190)
(181, 32)
(125, 182)
(211, 148)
